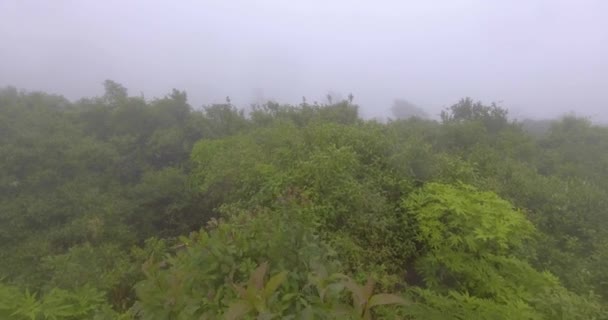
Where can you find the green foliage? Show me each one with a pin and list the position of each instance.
(213, 265)
(469, 242)
(307, 212)
(454, 305)
(223, 273)
(343, 112)
(333, 171)
(57, 304)
(492, 117)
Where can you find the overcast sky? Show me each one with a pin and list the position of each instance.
(538, 58)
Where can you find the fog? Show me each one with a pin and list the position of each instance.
(537, 58)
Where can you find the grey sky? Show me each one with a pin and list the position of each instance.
(539, 58)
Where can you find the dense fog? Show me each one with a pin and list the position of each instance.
(537, 58)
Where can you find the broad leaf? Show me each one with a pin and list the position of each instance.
(386, 298)
(237, 310)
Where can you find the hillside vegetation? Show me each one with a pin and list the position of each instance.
(116, 207)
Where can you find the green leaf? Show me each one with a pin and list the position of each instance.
(368, 289)
(274, 283)
(256, 280)
(237, 310)
(357, 292)
(386, 298)
(307, 314)
(240, 291)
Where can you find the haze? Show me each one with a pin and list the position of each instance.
(537, 58)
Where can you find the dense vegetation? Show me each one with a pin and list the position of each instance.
(120, 208)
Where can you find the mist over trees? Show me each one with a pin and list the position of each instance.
(118, 207)
(403, 109)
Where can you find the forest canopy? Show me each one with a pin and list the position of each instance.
(117, 207)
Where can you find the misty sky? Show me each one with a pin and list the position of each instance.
(538, 58)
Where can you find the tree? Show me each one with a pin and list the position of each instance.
(403, 109)
(115, 93)
(493, 117)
